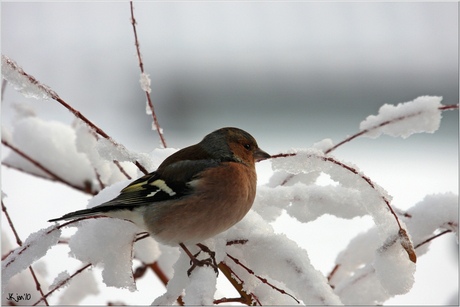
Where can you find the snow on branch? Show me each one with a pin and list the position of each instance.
(23, 82)
(422, 114)
(264, 267)
(356, 266)
(30, 87)
(34, 248)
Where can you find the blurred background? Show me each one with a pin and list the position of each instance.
(290, 73)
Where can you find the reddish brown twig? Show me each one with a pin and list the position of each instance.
(19, 242)
(10, 222)
(392, 121)
(43, 168)
(261, 279)
(3, 87)
(141, 66)
(52, 94)
(432, 238)
(245, 298)
(62, 283)
(337, 266)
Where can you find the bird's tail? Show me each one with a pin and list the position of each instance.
(109, 209)
(78, 214)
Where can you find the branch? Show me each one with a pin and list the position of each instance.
(402, 234)
(44, 169)
(145, 81)
(245, 298)
(432, 238)
(261, 279)
(394, 120)
(19, 242)
(62, 283)
(46, 92)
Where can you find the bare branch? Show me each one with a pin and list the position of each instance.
(141, 66)
(432, 238)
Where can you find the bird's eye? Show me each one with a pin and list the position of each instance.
(247, 146)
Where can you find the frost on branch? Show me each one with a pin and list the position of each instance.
(35, 247)
(420, 115)
(145, 84)
(22, 82)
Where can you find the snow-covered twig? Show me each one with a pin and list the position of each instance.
(405, 241)
(19, 242)
(145, 81)
(245, 298)
(83, 188)
(260, 278)
(62, 283)
(30, 87)
(385, 123)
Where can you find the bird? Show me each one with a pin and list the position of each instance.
(195, 194)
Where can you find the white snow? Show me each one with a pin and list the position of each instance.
(80, 286)
(371, 269)
(35, 247)
(52, 144)
(419, 115)
(274, 255)
(110, 151)
(60, 281)
(145, 83)
(147, 250)
(394, 270)
(109, 243)
(323, 144)
(109, 173)
(23, 84)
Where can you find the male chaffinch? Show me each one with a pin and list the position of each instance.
(195, 194)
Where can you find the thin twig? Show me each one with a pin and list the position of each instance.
(432, 238)
(337, 266)
(141, 66)
(405, 242)
(261, 279)
(52, 94)
(41, 167)
(394, 120)
(19, 242)
(10, 222)
(62, 283)
(3, 87)
(143, 170)
(246, 298)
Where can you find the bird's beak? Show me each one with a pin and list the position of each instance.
(260, 155)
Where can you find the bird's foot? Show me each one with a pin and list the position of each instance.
(211, 261)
